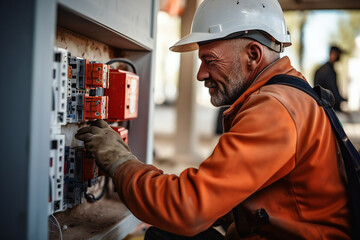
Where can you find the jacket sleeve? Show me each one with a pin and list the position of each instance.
(258, 150)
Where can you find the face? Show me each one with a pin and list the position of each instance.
(222, 72)
(334, 56)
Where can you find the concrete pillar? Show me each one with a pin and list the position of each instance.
(186, 136)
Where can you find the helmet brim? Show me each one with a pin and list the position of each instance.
(189, 42)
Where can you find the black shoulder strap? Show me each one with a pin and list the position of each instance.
(350, 156)
(295, 82)
(324, 101)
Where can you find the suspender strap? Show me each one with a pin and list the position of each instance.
(324, 98)
(350, 155)
(295, 82)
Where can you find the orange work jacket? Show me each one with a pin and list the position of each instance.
(278, 153)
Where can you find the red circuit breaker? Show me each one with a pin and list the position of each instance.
(97, 75)
(123, 132)
(123, 93)
(69, 71)
(95, 107)
(89, 168)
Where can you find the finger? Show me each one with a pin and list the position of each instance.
(92, 129)
(84, 137)
(95, 130)
(90, 147)
(100, 123)
(90, 122)
(83, 130)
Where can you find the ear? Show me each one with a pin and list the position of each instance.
(255, 53)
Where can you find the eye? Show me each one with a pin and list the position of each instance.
(209, 61)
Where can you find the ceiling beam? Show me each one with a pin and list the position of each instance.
(315, 5)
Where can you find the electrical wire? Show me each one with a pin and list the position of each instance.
(91, 198)
(123, 60)
(56, 222)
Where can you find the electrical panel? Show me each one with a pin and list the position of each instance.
(83, 90)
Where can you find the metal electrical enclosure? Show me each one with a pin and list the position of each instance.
(28, 56)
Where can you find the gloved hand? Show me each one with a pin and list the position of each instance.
(106, 146)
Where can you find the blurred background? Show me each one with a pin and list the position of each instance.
(184, 119)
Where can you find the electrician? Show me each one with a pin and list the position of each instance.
(274, 173)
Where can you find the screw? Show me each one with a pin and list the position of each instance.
(97, 114)
(98, 80)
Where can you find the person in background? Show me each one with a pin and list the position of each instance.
(274, 173)
(326, 77)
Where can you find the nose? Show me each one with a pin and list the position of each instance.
(202, 73)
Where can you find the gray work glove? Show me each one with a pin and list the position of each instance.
(106, 146)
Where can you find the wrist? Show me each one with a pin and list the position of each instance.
(116, 165)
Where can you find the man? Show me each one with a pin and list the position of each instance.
(325, 76)
(275, 169)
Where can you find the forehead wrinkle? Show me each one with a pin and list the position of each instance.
(214, 49)
(210, 50)
(209, 53)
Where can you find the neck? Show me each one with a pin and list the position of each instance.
(262, 68)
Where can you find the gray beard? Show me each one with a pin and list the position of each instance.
(235, 88)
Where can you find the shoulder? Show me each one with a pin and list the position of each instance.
(264, 109)
(292, 99)
(277, 104)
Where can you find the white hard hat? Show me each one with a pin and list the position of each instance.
(261, 20)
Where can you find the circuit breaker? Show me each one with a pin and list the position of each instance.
(123, 95)
(57, 138)
(83, 90)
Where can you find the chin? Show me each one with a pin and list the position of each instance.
(216, 103)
